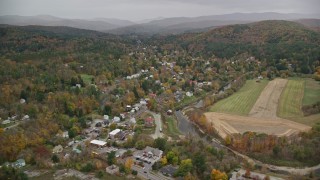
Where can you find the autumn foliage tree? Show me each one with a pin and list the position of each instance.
(128, 164)
(218, 175)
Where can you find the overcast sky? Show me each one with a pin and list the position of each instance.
(148, 9)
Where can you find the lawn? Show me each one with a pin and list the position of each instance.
(241, 102)
(299, 92)
(311, 92)
(291, 99)
(86, 78)
(172, 127)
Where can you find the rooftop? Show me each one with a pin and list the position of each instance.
(98, 142)
(114, 132)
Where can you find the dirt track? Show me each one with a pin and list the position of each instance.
(267, 104)
(262, 117)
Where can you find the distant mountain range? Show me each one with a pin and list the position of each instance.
(173, 25)
(99, 24)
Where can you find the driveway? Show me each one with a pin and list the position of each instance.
(158, 122)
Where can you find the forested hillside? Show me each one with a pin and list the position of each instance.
(271, 41)
(55, 82)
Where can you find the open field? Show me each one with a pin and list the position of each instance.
(227, 124)
(311, 92)
(299, 92)
(267, 103)
(263, 115)
(291, 99)
(172, 126)
(87, 78)
(307, 120)
(242, 101)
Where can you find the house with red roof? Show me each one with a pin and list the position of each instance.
(149, 122)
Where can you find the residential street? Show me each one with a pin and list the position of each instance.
(148, 174)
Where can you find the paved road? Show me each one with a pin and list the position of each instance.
(12, 126)
(148, 174)
(158, 122)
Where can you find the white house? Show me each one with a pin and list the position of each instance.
(143, 102)
(133, 120)
(6, 122)
(122, 116)
(189, 94)
(105, 117)
(116, 119)
(22, 101)
(26, 117)
(98, 143)
(113, 134)
(57, 149)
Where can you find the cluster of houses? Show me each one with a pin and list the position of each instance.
(17, 164)
(137, 75)
(14, 118)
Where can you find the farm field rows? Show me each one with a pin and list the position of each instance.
(311, 92)
(266, 105)
(275, 110)
(241, 102)
(291, 99)
(297, 93)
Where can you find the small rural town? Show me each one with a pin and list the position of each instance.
(159, 90)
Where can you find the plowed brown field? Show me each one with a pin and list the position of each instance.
(262, 117)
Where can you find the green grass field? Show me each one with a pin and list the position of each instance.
(291, 99)
(172, 127)
(242, 101)
(86, 78)
(299, 92)
(311, 92)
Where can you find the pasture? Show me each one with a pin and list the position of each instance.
(241, 102)
(311, 92)
(264, 102)
(291, 99)
(299, 92)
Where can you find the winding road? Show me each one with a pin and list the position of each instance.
(187, 127)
